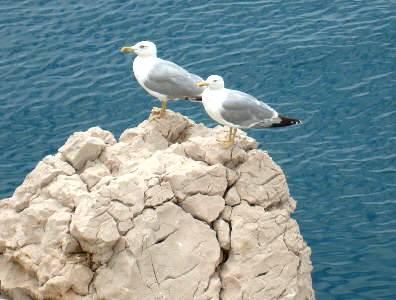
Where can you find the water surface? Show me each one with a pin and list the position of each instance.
(330, 63)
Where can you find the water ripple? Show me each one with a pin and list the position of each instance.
(331, 64)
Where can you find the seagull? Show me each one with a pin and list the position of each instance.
(236, 109)
(161, 78)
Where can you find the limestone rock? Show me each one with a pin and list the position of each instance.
(203, 207)
(272, 268)
(149, 267)
(201, 144)
(261, 182)
(223, 233)
(163, 213)
(226, 213)
(93, 173)
(232, 197)
(94, 227)
(44, 173)
(104, 135)
(68, 190)
(158, 194)
(128, 189)
(80, 148)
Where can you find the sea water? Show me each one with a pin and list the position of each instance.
(330, 63)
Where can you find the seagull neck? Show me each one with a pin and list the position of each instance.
(216, 90)
(146, 57)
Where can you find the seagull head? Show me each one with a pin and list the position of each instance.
(143, 48)
(214, 82)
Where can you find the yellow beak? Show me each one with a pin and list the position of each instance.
(202, 83)
(127, 49)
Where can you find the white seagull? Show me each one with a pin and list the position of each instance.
(237, 109)
(162, 79)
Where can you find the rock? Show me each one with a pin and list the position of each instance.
(226, 213)
(124, 226)
(203, 207)
(92, 174)
(16, 283)
(158, 194)
(201, 144)
(272, 268)
(95, 228)
(74, 276)
(80, 148)
(164, 213)
(70, 245)
(68, 190)
(104, 135)
(232, 197)
(128, 189)
(44, 173)
(223, 233)
(232, 176)
(191, 178)
(261, 182)
(148, 269)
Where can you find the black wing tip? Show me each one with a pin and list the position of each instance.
(195, 98)
(285, 121)
(295, 122)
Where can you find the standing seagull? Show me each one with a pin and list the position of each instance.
(237, 109)
(161, 78)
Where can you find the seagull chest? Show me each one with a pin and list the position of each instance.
(213, 103)
(141, 69)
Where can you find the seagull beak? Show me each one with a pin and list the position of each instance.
(202, 83)
(127, 49)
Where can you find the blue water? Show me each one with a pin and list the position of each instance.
(330, 63)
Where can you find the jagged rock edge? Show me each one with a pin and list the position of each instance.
(181, 138)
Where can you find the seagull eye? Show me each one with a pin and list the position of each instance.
(142, 46)
(215, 80)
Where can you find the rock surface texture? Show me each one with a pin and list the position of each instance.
(164, 213)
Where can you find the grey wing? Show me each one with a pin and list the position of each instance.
(246, 111)
(172, 80)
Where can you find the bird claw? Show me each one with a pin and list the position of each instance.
(154, 117)
(226, 144)
(219, 140)
(156, 113)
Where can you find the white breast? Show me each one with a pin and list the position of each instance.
(213, 101)
(141, 68)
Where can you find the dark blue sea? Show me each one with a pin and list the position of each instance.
(330, 63)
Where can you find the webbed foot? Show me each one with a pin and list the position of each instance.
(157, 113)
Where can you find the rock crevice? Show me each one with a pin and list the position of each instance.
(164, 213)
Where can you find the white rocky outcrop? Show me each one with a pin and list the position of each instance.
(164, 213)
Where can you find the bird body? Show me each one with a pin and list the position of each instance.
(162, 79)
(237, 109)
(248, 113)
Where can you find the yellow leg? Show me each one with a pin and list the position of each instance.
(234, 135)
(231, 139)
(227, 140)
(163, 108)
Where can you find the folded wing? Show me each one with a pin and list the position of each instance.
(244, 110)
(171, 80)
